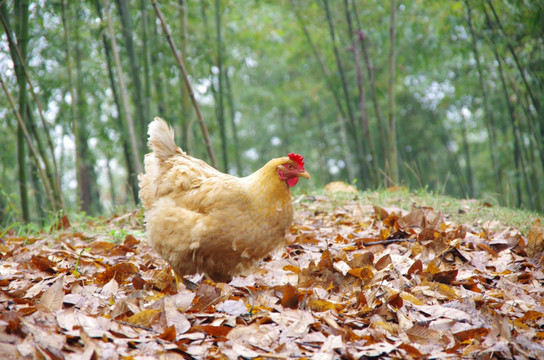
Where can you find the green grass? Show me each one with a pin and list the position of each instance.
(470, 212)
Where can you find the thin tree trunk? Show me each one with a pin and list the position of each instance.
(212, 61)
(124, 97)
(158, 76)
(518, 158)
(111, 180)
(373, 95)
(140, 124)
(72, 107)
(326, 74)
(351, 118)
(393, 153)
(230, 98)
(26, 135)
(38, 197)
(187, 83)
(535, 101)
(517, 149)
(21, 10)
(537, 122)
(466, 152)
(488, 117)
(323, 67)
(372, 84)
(530, 149)
(86, 175)
(132, 180)
(368, 143)
(19, 58)
(339, 64)
(146, 113)
(220, 90)
(185, 101)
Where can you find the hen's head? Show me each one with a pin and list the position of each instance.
(291, 169)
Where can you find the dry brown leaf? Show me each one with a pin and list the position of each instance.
(414, 219)
(320, 305)
(173, 317)
(206, 295)
(410, 298)
(365, 273)
(445, 277)
(119, 272)
(471, 334)
(396, 301)
(169, 334)
(535, 239)
(52, 298)
(98, 247)
(292, 268)
(493, 285)
(215, 331)
(361, 260)
(423, 335)
(488, 249)
(290, 296)
(383, 262)
(42, 263)
(432, 268)
(416, 268)
(144, 318)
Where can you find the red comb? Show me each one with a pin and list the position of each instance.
(299, 159)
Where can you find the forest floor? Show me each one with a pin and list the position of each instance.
(390, 275)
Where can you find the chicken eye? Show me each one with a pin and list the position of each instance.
(290, 167)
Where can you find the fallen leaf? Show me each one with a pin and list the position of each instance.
(290, 296)
(42, 263)
(476, 333)
(215, 331)
(51, 299)
(169, 334)
(383, 262)
(119, 272)
(232, 307)
(416, 268)
(174, 317)
(445, 277)
(144, 318)
(206, 295)
(535, 241)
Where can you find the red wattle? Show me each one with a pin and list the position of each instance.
(292, 181)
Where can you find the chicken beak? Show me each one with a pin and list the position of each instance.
(304, 175)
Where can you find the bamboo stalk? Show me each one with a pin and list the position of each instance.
(220, 107)
(28, 138)
(123, 91)
(187, 83)
(353, 126)
(489, 118)
(393, 155)
(52, 173)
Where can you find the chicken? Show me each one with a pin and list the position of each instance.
(201, 220)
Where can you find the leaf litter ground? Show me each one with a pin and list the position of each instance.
(354, 281)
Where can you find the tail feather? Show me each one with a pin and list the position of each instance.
(161, 139)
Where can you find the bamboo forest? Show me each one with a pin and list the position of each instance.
(438, 95)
